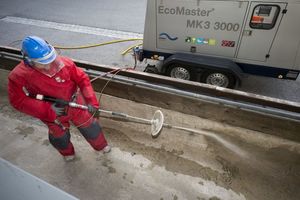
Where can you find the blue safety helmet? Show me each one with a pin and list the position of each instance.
(37, 50)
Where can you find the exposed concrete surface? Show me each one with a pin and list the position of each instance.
(228, 163)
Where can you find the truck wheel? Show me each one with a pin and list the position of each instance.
(180, 72)
(217, 78)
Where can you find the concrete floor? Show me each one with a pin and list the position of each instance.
(228, 163)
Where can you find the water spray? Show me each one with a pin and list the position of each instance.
(156, 122)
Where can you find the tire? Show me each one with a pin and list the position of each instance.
(180, 72)
(218, 78)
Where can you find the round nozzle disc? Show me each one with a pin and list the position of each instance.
(157, 123)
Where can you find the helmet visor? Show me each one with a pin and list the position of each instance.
(50, 69)
(46, 59)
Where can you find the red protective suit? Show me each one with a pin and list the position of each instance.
(62, 85)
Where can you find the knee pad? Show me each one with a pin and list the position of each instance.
(61, 142)
(92, 131)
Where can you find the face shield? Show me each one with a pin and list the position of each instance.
(48, 65)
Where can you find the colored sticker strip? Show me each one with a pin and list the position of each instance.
(227, 43)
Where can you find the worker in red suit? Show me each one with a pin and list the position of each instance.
(42, 71)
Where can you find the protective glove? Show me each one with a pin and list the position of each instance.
(59, 110)
(93, 110)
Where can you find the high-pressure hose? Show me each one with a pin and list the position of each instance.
(113, 71)
(97, 45)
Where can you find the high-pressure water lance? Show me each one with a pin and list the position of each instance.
(156, 122)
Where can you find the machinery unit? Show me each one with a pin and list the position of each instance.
(216, 42)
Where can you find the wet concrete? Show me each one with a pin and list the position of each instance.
(218, 162)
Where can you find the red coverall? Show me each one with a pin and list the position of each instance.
(62, 85)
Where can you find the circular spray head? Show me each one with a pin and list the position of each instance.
(157, 123)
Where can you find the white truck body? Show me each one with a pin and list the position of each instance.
(261, 37)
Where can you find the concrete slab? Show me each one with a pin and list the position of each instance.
(221, 162)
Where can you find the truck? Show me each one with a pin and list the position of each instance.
(219, 42)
